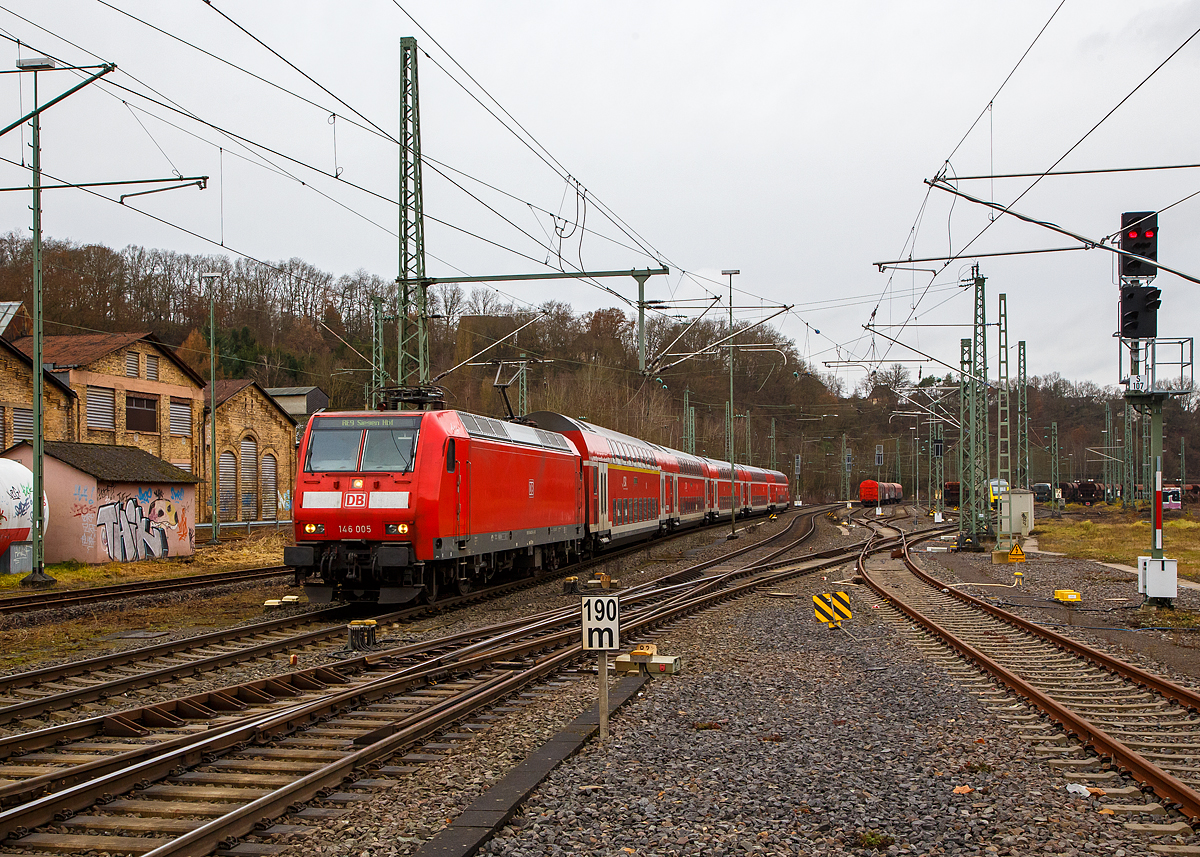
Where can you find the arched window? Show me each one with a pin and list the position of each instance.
(227, 485)
(249, 479)
(269, 488)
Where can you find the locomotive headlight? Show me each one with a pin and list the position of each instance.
(357, 484)
(395, 529)
(314, 528)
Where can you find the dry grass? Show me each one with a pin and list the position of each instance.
(90, 635)
(1108, 534)
(255, 551)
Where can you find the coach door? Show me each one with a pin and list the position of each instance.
(602, 471)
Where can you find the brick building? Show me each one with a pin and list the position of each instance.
(256, 455)
(130, 390)
(16, 396)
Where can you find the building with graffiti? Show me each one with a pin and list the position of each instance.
(113, 503)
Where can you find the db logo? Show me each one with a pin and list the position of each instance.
(356, 501)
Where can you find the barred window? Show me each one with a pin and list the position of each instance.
(181, 417)
(22, 424)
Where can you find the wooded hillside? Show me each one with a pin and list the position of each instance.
(292, 324)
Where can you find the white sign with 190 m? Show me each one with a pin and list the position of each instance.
(601, 623)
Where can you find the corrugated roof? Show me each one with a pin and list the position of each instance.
(116, 463)
(289, 391)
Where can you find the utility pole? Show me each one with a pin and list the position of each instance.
(1055, 486)
(641, 305)
(38, 576)
(937, 450)
(37, 531)
(845, 470)
(211, 279)
(1022, 474)
(1128, 497)
(1109, 449)
(729, 272)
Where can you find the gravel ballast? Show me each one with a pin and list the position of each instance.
(785, 737)
(780, 736)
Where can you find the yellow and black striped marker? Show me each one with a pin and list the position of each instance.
(832, 608)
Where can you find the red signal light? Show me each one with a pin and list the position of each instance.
(1149, 233)
(1133, 233)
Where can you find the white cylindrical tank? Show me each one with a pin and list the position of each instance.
(16, 510)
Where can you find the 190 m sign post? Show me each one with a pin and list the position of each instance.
(602, 633)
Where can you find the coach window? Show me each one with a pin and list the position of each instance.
(450, 455)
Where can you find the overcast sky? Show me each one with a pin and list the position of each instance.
(789, 140)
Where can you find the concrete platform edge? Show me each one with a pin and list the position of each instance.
(492, 810)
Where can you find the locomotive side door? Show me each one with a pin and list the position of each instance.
(458, 469)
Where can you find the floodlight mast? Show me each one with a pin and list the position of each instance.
(211, 279)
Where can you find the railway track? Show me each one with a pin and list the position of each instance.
(142, 784)
(107, 680)
(45, 600)
(96, 594)
(1132, 720)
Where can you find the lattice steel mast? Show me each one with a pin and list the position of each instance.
(412, 362)
(1003, 447)
(974, 453)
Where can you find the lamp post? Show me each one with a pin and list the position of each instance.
(211, 279)
(732, 455)
(916, 464)
(37, 576)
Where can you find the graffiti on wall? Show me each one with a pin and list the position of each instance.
(134, 526)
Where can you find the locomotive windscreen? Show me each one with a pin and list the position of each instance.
(338, 444)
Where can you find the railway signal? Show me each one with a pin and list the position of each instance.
(1139, 234)
(1139, 312)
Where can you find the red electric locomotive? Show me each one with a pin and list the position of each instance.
(390, 506)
